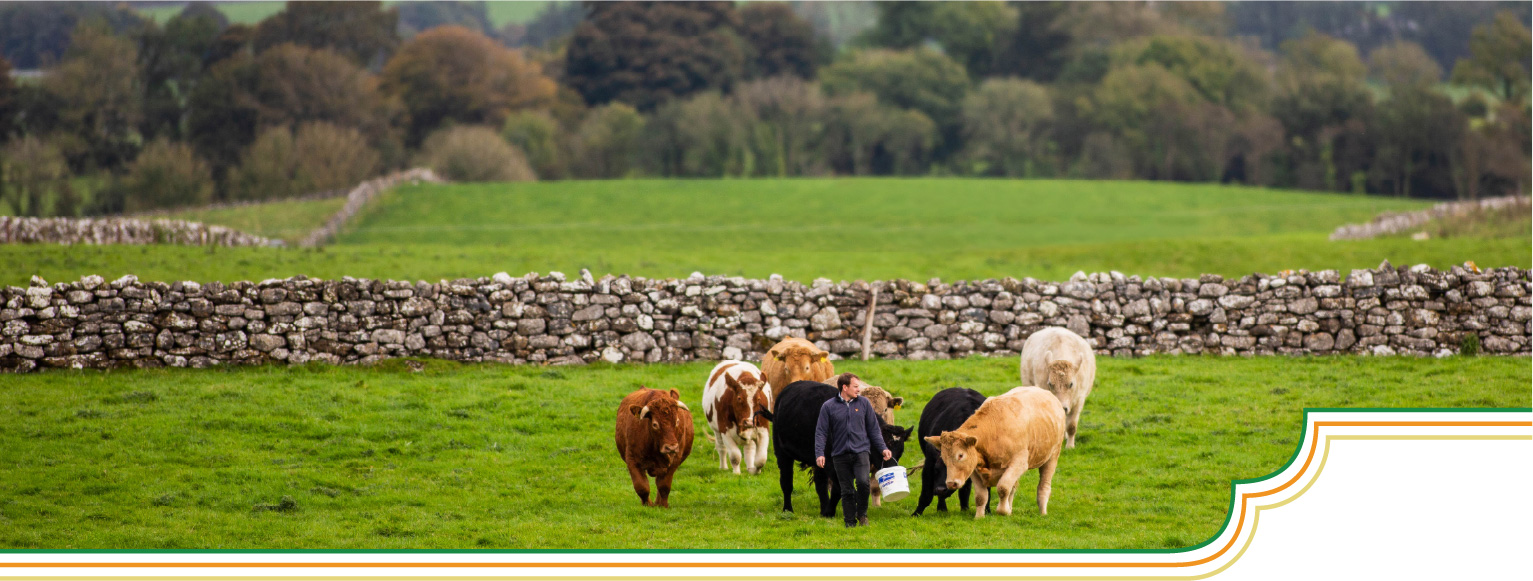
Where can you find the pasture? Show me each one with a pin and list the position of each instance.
(497, 457)
(844, 229)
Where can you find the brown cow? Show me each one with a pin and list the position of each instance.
(731, 397)
(1009, 434)
(654, 436)
(795, 359)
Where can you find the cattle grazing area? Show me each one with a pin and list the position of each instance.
(441, 455)
(844, 229)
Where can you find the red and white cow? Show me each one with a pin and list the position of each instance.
(735, 390)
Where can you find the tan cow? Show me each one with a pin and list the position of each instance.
(733, 393)
(795, 359)
(1009, 434)
(654, 436)
(1060, 361)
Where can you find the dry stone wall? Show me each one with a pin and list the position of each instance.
(1396, 222)
(14, 230)
(552, 319)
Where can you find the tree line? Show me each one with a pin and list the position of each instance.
(324, 94)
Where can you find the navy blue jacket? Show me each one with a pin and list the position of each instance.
(850, 426)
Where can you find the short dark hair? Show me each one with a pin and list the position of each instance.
(844, 379)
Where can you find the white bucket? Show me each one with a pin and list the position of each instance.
(892, 482)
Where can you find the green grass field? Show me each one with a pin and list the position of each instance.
(285, 220)
(843, 229)
(499, 457)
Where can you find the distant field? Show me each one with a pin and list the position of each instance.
(802, 229)
(503, 457)
(251, 12)
(285, 220)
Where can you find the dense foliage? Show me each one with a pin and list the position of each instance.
(1427, 101)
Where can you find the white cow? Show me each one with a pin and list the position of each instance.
(1062, 362)
(735, 390)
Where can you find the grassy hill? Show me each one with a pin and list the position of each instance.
(802, 229)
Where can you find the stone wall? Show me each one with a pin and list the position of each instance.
(14, 230)
(1397, 222)
(551, 319)
(359, 197)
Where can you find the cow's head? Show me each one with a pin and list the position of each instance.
(665, 417)
(960, 455)
(744, 395)
(895, 438)
(799, 361)
(1060, 380)
(884, 403)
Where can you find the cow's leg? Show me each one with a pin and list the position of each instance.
(1006, 483)
(1071, 421)
(785, 479)
(828, 488)
(928, 490)
(981, 494)
(663, 483)
(734, 455)
(749, 459)
(718, 450)
(963, 496)
(640, 483)
(763, 441)
(1045, 483)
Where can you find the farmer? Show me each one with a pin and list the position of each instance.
(849, 424)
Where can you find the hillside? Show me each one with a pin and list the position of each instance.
(801, 229)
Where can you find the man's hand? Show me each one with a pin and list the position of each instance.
(820, 461)
(888, 454)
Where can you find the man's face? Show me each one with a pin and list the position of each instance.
(853, 388)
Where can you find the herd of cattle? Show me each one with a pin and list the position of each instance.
(966, 438)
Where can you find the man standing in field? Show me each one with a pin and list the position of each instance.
(847, 420)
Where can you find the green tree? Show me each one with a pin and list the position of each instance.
(99, 94)
(8, 100)
(1498, 59)
(418, 17)
(472, 153)
(1417, 130)
(866, 137)
(1324, 105)
(1040, 46)
(921, 79)
(789, 122)
(31, 167)
(362, 31)
(1005, 128)
(647, 53)
(1403, 64)
(538, 135)
(172, 60)
(781, 42)
(1221, 71)
(607, 142)
(167, 174)
(452, 74)
(971, 33)
(321, 157)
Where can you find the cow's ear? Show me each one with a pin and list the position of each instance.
(730, 381)
(934, 440)
(633, 409)
(970, 441)
(675, 394)
(773, 354)
(899, 401)
(1048, 356)
(824, 356)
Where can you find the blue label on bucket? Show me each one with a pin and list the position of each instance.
(886, 478)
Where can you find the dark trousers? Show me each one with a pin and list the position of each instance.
(852, 470)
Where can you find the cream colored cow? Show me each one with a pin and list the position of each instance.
(1063, 363)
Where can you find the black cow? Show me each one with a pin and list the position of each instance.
(798, 410)
(946, 411)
